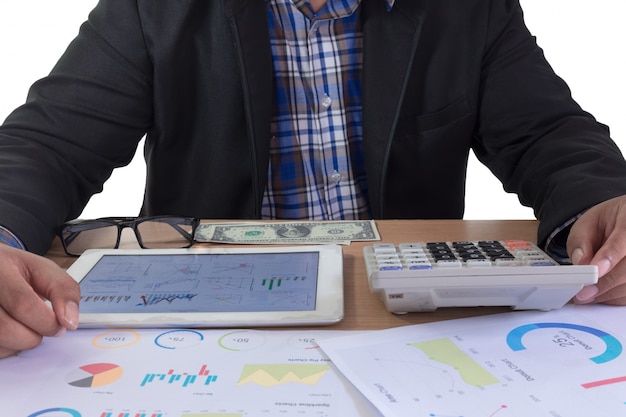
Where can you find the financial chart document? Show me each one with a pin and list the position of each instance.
(178, 373)
(563, 363)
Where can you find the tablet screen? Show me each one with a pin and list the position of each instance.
(187, 283)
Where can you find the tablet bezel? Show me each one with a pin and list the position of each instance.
(329, 303)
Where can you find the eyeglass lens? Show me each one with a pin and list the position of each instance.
(165, 233)
(79, 238)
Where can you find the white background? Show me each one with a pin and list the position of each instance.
(585, 41)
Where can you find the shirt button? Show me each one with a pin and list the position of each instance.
(335, 177)
(326, 101)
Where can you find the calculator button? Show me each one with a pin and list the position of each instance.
(527, 252)
(423, 263)
(422, 257)
(518, 244)
(500, 255)
(489, 244)
(437, 246)
(411, 261)
(384, 248)
(389, 266)
(447, 257)
(463, 246)
(415, 267)
(531, 259)
(508, 262)
(469, 256)
(387, 257)
(542, 263)
(449, 263)
(413, 252)
(474, 250)
(478, 263)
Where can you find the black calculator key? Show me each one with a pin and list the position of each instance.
(443, 255)
(507, 255)
(472, 256)
(460, 246)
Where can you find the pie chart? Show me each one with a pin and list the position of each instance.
(94, 375)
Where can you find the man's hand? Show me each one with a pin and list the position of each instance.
(599, 238)
(26, 282)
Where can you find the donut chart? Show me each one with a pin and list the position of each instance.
(53, 412)
(613, 346)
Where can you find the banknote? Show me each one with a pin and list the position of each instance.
(293, 232)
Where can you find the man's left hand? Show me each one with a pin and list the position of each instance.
(598, 238)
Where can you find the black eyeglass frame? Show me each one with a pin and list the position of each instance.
(77, 226)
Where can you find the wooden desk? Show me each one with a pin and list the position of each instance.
(363, 310)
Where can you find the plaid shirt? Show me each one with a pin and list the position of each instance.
(316, 169)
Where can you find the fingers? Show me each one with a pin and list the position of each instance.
(26, 280)
(599, 238)
(15, 337)
(612, 286)
(59, 288)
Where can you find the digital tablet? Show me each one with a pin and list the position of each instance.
(210, 287)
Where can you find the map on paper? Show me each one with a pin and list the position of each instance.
(178, 373)
(562, 363)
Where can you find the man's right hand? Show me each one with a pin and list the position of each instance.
(27, 281)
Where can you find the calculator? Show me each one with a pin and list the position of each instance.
(423, 276)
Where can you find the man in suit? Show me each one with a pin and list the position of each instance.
(318, 109)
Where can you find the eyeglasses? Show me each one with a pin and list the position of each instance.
(151, 232)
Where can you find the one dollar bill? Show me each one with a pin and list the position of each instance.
(298, 232)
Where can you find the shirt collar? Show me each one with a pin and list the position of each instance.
(388, 3)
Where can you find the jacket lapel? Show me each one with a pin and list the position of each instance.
(249, 25)
(389, 46)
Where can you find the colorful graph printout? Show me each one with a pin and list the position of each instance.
(179, 373)
(566, 363)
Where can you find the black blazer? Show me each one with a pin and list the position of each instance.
(440, 77)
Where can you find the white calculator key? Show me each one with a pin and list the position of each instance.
(415, 256)
(384, 248)
(537, 259)
(387, 257)
(543, 262)
(413, 252)
(508, 262)
(449, 263)
(417, 261)
(478, 263)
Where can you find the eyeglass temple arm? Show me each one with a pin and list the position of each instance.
(183, 232)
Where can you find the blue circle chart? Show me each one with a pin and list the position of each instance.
(177, 339)
(613, 346)
(49, 411)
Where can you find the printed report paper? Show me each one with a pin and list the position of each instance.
(563, 363)
(178, 373)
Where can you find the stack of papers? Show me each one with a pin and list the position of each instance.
(568, 363)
